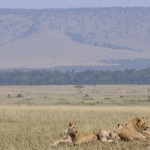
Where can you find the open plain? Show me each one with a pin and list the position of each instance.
(33, 117)
(98, 95)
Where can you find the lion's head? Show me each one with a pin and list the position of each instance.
(113, 135)
(139, 124)
(72, 129)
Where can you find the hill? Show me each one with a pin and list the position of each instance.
(116, 37)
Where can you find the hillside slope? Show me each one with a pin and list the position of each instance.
(72, 37)
(50, 48)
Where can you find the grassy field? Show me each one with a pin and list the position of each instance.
(33, 117)
(36, 127)
(68, 95)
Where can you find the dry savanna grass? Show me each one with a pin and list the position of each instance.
(36, 127)
(69, 95)
(33, 117)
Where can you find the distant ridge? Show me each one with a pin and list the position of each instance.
(114, 37)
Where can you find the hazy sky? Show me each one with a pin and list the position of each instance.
(70, 3)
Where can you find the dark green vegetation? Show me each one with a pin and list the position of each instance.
(45, 77)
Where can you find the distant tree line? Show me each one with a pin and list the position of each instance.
(88, 77)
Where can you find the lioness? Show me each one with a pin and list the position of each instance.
(144, 133)
(80, 137)
(71, 136)
(133, 130)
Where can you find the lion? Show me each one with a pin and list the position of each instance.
(107, 136)
(72, 137)
(144, 133)
(133, 130)
(81, 137)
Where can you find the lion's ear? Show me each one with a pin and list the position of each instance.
(70, 124)
(138, 119)
(120, 126)
(110, 134)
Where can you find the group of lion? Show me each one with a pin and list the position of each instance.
(136, 129)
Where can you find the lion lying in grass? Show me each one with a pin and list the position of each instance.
(134, 130)
(72, 136)
(80, 137)
(106, 136)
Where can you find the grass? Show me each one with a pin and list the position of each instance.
(33, 117)
(36, 127)
(67, 95)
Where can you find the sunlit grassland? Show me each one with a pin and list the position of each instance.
(36, 127)
(67, 95)
(33, 117)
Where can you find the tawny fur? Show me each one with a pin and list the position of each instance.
(133, 130)
(107, 136)
(146, 134)
(80, 137)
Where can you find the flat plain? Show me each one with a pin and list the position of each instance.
(97, 95)
(33, 117)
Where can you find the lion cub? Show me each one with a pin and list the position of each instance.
(107, 136)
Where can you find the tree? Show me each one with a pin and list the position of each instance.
(79, 87)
